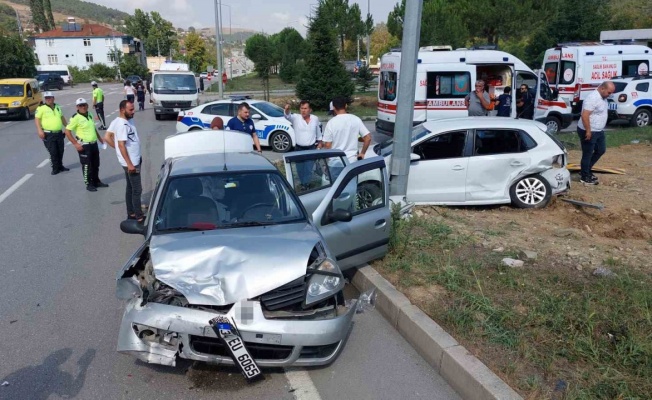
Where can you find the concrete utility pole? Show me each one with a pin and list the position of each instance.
(400, 166)
(218, 44)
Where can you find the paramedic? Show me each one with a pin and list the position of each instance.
(504, 103)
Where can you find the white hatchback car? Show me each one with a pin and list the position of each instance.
(632, 100)
(272, 128)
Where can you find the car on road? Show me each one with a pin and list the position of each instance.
(203, 75)
(272, 128)
(482, 161)
(133, 78)
(19, 97)
(632, 100)
(228, 237)
(50, 81)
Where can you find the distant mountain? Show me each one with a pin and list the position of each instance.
(82, 10)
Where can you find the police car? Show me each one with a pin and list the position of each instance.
(632, 100)
(272, 128)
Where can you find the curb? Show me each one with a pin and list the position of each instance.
(467, 375)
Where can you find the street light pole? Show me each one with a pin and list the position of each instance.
(218, 45)
(400, 165)
(368, 38)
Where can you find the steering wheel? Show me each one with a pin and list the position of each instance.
(254, 206)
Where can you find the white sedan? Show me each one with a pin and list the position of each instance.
(272, 128)
(484, 160)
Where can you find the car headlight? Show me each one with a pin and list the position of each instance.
(15, 104)
(326, 281)
(194, 103)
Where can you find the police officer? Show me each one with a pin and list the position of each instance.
(98, 103)
(50, 121)
(85, 141)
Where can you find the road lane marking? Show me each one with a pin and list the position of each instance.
(44, 163)
(300, 381)
(14, 187)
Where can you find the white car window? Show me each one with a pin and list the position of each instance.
(446, 145)
(502, 141)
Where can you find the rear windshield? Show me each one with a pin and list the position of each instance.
(620, 86)
(387, 86)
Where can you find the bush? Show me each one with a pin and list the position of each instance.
(102, 71)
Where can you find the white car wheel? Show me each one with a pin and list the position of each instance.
(281, 142)
(531, 192)
(641, 118)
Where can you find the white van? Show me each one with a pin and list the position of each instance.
(174, 89)
(576, 69)
(61, 70)
(444, 78)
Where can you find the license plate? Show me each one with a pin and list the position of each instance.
(3, 111)
(230, 336)
(176, 109)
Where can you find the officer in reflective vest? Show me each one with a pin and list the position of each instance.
(98, 104)
(85, 141)
(50, 121)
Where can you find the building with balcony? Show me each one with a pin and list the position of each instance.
(82, 45)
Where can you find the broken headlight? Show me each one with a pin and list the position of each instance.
(326, 281)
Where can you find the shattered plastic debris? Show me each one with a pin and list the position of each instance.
(5, 383)
(366, 301)
(604, 272)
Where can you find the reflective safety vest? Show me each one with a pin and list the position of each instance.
(50, 117)
(84, 127)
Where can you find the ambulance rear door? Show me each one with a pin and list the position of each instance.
(446, 87)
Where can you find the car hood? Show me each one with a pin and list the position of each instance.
(223, 267)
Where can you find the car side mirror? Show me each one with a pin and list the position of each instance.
(132, 226)
(256, 116)
(341, 215)
(414, 157)
(555, 94)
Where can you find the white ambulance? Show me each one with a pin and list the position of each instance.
(576, 69)
(445, 77)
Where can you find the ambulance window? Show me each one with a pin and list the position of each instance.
(643, 87)
(448, 85)
(635, 67)
(567, 72)
(387, 86)
(551, 72)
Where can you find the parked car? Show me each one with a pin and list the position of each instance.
(19, 97)
(272, 128)
(227, 236)
(133, 78)
(50, 81)
(203, 75)
(632, 100)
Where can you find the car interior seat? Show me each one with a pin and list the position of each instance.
(190, 207)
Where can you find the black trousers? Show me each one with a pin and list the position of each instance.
(54, 144)
(133, 192)
(89, 158)
(99, 109)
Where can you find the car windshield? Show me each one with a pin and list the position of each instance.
(385, 149)
(174, 84)
(226, 200)
(11, 91)
(269, 109)
(42, 77)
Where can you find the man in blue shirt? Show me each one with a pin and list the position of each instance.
(504, 103)
(242, 123)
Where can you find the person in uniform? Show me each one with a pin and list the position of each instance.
(98, 104)
(50, 121)
(85, 141)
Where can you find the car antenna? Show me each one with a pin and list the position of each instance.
(224, 150)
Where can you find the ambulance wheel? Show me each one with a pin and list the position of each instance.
(641, 118)
(281, 142)
(553, 124)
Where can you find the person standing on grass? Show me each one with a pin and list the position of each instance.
(123, 136)
(590, 130)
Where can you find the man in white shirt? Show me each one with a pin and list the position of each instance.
(343, 130)
(590, 129)
(306, 127)
(122, 136)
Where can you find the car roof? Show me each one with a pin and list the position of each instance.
(448, 124)
(15, 80)
(216, 162)
(248, 101)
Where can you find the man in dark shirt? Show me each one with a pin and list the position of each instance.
(242, 123)
(525, 103)
(504, 103)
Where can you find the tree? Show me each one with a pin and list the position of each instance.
(192, 29)
(364, 77)
(382, 41)
(161, 35)
(259, 49)
(130, 65)
(291, 48)
(16, 58)
(196, 54)
(324, 76)
(344, 18)
(630, 14)
(38, 15)
(138, 26)
(47, 9)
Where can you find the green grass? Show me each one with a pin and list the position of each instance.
(253, 83)
(536, 325)
(615, 138)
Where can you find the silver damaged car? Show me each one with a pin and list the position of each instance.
(227, 235)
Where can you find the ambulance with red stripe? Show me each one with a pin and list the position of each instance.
(445, 77)
(576, 69)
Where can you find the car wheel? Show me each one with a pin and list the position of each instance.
(641, 118)
(281, 142)
(531, 192)
(157, 116)
(366, 194)
(553, 124)
(60, 87)
(26, 114)
(194, 128)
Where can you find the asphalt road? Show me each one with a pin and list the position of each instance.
(61, 248)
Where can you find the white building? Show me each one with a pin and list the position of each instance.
(81, 46)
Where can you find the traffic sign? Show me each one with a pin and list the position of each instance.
(209, 68)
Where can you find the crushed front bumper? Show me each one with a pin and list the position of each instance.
(185, 332)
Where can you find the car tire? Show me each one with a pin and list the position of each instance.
(641, 118)
(26, 114)
(553, 124)
(194, 128)
(157, 116)
(531, 191)
(280, 142)
(366, 194)
(60, 87)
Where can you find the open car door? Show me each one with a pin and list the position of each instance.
(311, 174)
(354, 215)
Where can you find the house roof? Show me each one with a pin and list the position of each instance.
(87, 30)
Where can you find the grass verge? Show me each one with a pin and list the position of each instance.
(615, 138)
(253, 82)
(549, 332)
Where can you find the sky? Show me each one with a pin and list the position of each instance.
(269, 16)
